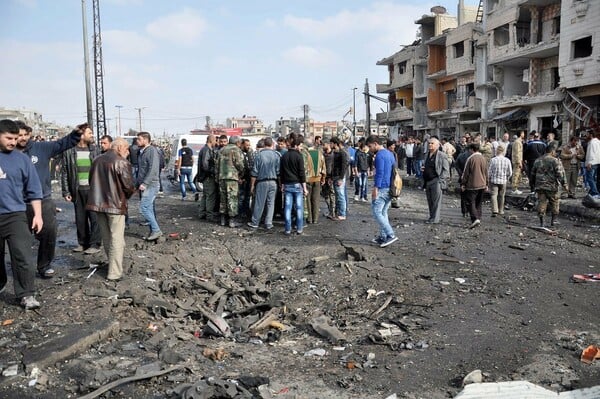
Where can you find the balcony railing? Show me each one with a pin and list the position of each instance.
(398, 114)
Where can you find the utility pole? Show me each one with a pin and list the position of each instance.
(98, 72)
(368, 106)
(354, 116)
(139, 110)
(118, 107)
(305, 108)
(86, 63)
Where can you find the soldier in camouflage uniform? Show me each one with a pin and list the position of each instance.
(547, 173)
(230, 170)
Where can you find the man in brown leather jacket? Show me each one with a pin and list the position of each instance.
(111, 185)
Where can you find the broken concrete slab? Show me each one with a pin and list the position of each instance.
(74, 339)
(520, 390)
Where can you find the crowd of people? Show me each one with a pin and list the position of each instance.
(287, 177)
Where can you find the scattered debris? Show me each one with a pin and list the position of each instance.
(474, 377)
(214, 354)
(589, 354)
(320, 352)
(520, 390)
(586, 278)
(322, 327)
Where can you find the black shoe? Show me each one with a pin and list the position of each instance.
(196, 196)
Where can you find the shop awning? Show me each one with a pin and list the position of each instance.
(517, 113)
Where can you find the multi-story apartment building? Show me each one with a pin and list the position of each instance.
(525, 64)
(579, 63)
(523, 39)
(248, 124)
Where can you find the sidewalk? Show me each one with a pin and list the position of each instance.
(568, 206)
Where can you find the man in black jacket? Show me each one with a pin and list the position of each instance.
(75, 187)
(293, 183)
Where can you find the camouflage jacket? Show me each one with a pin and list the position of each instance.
(548, 173)
(230, 163)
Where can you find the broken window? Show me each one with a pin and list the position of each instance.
(581, 48)
(555, 78)
(402, 68)
(556, 25)
(459, 49)
(501, 36)
(470, 89)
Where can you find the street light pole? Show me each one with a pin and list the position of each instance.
(118, 119)
(139, 110)
(86, 63)
(354, 115)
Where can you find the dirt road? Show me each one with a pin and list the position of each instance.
(411, 319)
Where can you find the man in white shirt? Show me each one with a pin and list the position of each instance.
(592, 164)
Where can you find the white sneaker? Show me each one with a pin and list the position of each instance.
(356, 198)
(517, 192)
(29, 303)
(476, 223)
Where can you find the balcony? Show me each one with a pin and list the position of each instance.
(384, 88)
(555, 96)
(472, 104)
(396, 115)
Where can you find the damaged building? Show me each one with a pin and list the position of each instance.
(501, 67)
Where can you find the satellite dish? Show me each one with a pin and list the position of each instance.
(438, 10)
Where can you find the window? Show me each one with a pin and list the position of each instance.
(581, 48)
(501, 36)
(459, 49)
(556, 25)
(402, 68)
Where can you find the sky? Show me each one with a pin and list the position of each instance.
(182, 60)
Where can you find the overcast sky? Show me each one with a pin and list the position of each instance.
(185, 59)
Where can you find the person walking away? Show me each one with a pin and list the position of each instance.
(147, 182)
(435, 174)
(328, 190)
(206, 176)
(19, 183)
(185, 163)
(499, 173)
(535, 149)
(315, 178)
(363, 170)
(474, 183)
(592, 165)
(547, 174)
(263, 184)
(460, 163)
(111, 185)
(75, 188)
(339, 171)
(381, 198)
(230, 170)
(517, 162)
(293, 184)
(571, 155)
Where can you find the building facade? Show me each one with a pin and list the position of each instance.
(523, 64)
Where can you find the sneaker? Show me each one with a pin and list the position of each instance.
(196, 196)
(154, 236)
(364, 200)
(377, 240)
(29, 303)
(341, 218)
(145, 224)
(388, 241)
(494, 214)
(517, 192)
(475, 223)
(78, 248)
(183, 198)
(92, 250)
(287, 233)
(252, 225)
(47, 272)
(300, 232)
(356, 198)
(269, 227)
(233, 224)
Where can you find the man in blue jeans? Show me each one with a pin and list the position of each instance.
(381, 199)
(340, 170)
(147, 182)
(293, 182)
(185, 163)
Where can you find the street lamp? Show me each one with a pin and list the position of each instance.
(354, 115)
(119, 119)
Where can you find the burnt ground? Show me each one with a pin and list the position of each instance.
(497, 298)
